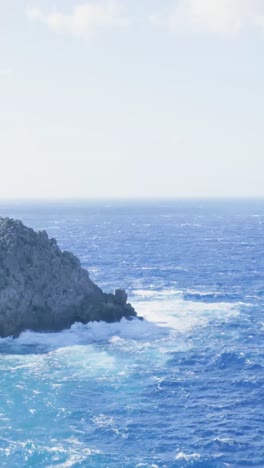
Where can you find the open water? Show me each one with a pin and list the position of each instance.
(183, 388)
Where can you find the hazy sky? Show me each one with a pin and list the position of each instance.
(131, 98)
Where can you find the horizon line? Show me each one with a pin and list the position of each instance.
(129, 199)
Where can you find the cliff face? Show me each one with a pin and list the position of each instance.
(45, 289)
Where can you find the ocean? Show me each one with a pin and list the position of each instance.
(184, 387)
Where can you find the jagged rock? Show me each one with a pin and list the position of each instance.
(45, 289)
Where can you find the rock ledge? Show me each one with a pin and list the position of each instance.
(46, 290)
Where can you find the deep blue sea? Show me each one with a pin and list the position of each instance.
(184, 387)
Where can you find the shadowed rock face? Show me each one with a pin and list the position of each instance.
(45, 289)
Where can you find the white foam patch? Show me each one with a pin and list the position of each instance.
(95, 332)
(187, 457)
(202, 293)
(62, 364)
(73, 450)
(169, 309)
(81, 362)
(149, 293)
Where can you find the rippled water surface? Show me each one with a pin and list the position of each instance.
(185, 387)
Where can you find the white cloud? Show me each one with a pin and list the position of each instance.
(228, 17)
(83, 20)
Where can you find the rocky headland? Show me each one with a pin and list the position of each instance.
(45, 289)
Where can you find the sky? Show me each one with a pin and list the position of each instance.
(131, 99)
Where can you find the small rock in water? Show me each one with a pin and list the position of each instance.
(46, 290)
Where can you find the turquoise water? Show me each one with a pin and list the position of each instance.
(183, 388)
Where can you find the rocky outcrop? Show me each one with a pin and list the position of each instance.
(45, 289)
